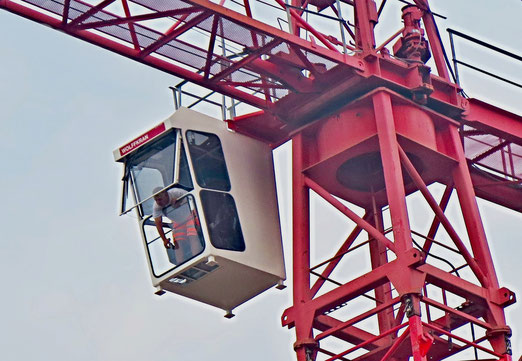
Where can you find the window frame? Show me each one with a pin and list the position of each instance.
(129, 182)
(207, 214)
(149, 221)
(193, 161)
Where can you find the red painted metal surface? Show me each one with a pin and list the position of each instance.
(368, 130)
(422, 287)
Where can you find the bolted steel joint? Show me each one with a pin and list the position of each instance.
(410, 308)
(310, 347)
(506, 331)
(507, 338)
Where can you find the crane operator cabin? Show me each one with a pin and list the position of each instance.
(214, 193)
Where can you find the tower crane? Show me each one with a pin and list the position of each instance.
(372, 122)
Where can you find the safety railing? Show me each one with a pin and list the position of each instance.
(191, 99)
(489, 154)
(456, 62)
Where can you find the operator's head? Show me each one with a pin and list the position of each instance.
(162, 198)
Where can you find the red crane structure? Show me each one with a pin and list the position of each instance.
(369, 127)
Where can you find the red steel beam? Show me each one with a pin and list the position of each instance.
(417, 179)
(263, 28)
(349, 334)
(132, 29)
(358, 318)
(372, 231)
(307, 26)
(417, 338)
(210, 51)
(364, 36)
(383, 110)
(363, 344)
(355, 287)
(490, 151)
(497, 190)
(456, 312)
(65, 14)
(378, 257)
(246, 60)
(133, 54)
(398, 342)
(462, 287)
(174, 33)
(470, 212)
(89, 13)
(336, 259)
(461, 339)
(436, 222)
(303, 319)
(437, 50)
(483, 116)
(136, 18)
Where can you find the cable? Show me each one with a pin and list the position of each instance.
(437, 257)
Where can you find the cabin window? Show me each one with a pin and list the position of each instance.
(181, 221)
(222, 220)
(208, 160)
(159, 164)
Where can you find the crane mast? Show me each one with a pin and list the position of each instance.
(372, 123)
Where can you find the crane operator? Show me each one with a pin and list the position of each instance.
(184, 234)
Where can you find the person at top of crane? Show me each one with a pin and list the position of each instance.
(184, 234)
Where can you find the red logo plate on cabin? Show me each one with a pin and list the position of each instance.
(142, 139)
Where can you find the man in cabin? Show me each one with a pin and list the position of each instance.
(185, 238)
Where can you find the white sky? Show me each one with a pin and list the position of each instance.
(75, 283)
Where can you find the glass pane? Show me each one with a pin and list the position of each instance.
(154, 166)
(222, 221)
(208, 160)
(157, 254)
(183, 224)
(149, 178)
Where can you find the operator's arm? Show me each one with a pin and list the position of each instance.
(159, 226)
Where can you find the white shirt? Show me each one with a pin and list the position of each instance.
(174, 194)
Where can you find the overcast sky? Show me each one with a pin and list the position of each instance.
(75, 282)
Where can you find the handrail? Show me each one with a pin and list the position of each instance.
(483, 44)
(489, 46)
